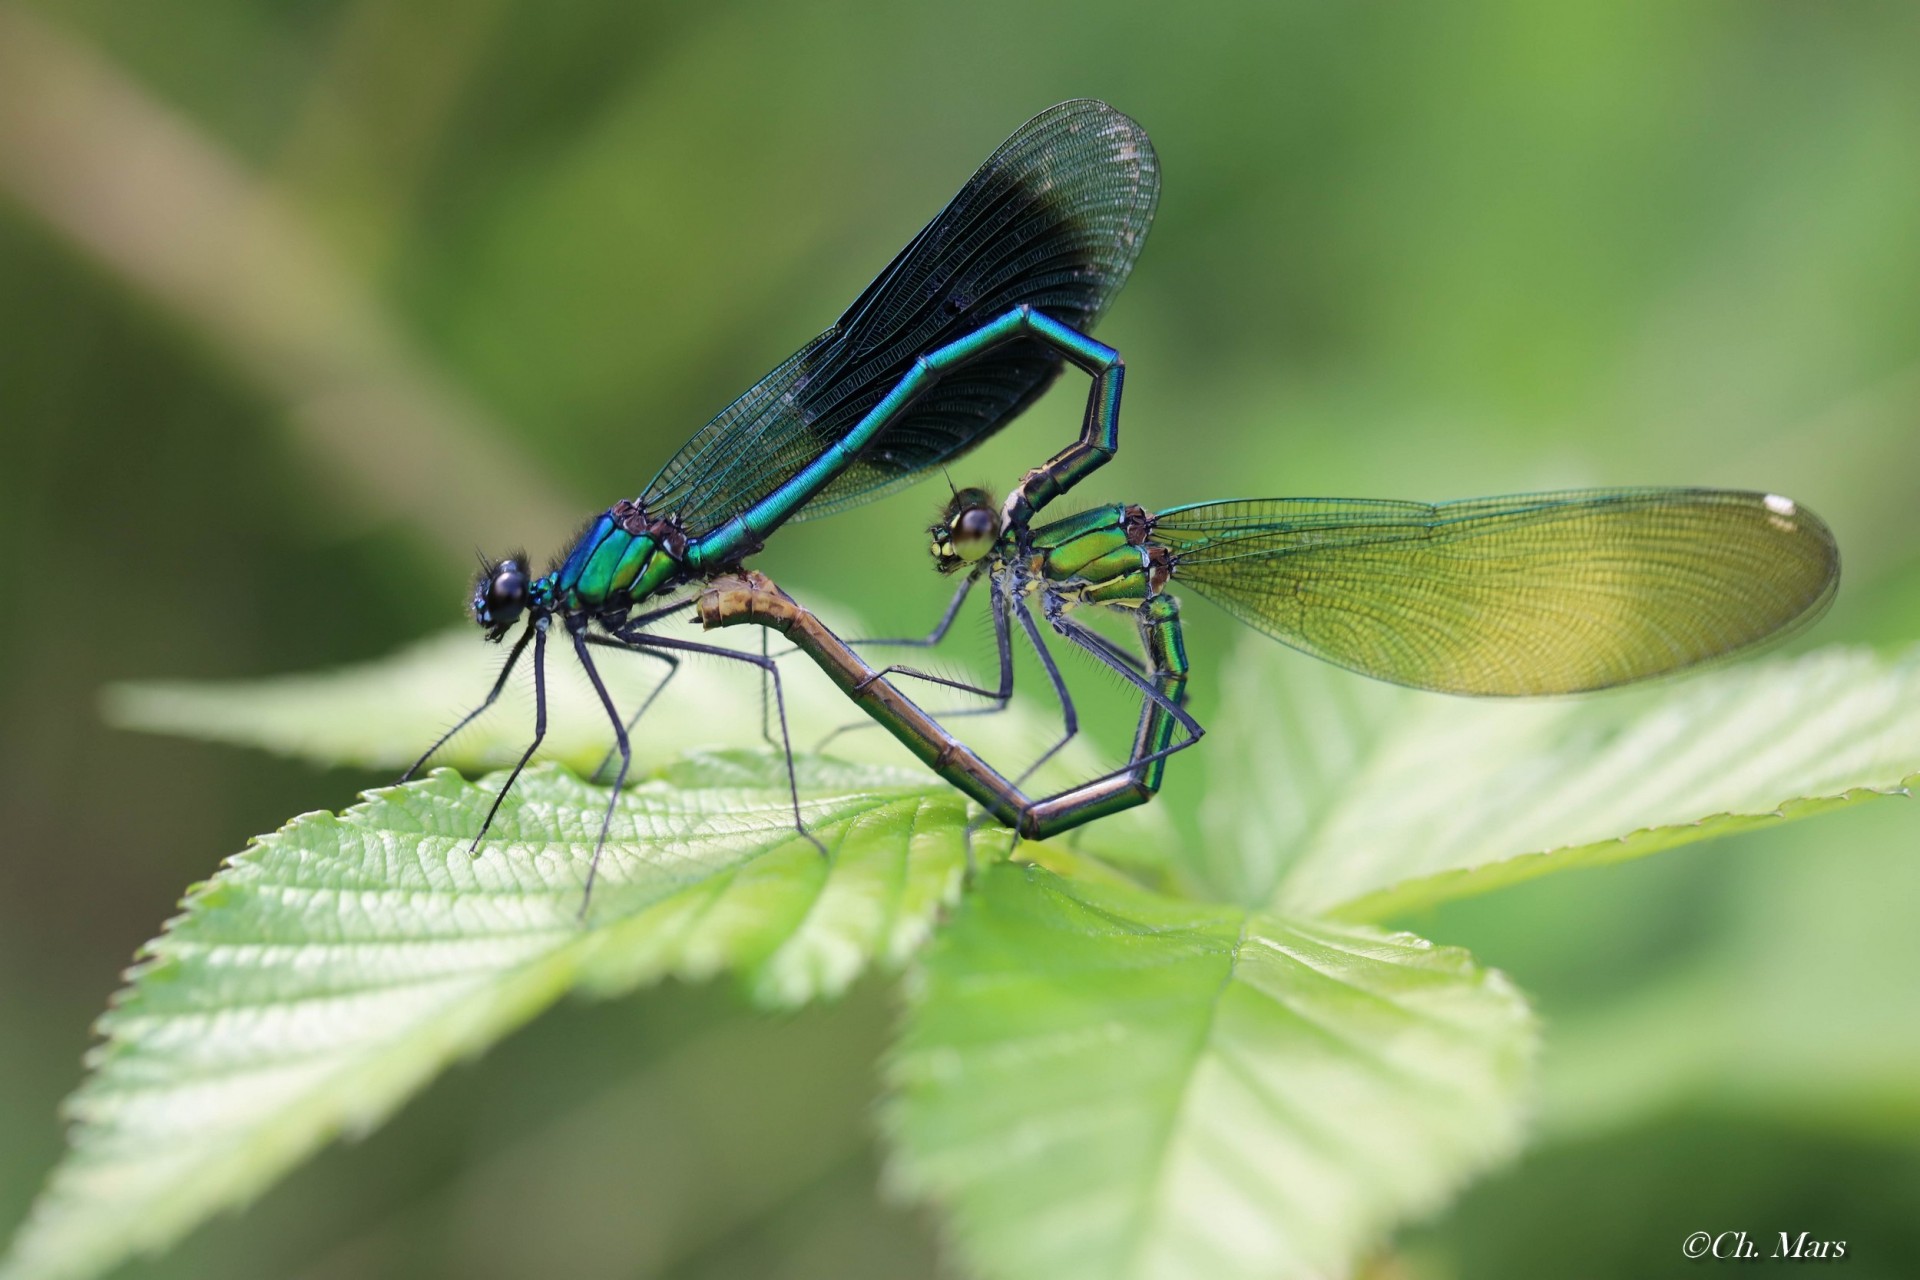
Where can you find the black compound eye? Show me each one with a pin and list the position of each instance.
(500, 596)
(509, 585)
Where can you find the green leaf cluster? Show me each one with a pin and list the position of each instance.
(1228, 1071)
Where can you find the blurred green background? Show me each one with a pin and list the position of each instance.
(299, 301)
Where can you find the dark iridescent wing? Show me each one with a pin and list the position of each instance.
(1053, 219)
(1531, 594)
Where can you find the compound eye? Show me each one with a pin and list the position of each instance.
(974, 532)
(499, 597)
(509, 585)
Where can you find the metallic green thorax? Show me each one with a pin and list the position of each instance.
(1101, 556)
(1107, 556)
(624, 556)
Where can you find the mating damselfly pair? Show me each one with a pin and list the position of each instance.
(1532, 594)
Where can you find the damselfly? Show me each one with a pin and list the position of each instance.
(1530, 594)
(964, 328)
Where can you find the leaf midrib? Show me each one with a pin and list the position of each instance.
(1157, 1166)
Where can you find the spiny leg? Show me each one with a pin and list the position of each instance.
(644, 640)
(1193, 736)
(654, 614)
(1000, 596)
(500, 682)
(766, 669)
(1140, 771)
(539, 629)
(1067, 713)
(673, 666)
(999, 697)
(621, 745)
(1117, 654)
(1104, 650)
(928, 641)
(1002, 693)
(940, 628)
(1161, 678)
(1195, 732)
(946, 682)
(673, 669)
(1007, 596)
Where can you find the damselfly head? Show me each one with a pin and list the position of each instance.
(967, 530)
(500, 594)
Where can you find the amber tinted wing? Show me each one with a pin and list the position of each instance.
(1530, 594)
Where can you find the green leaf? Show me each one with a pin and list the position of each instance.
(1363, 801)
(1101, 1082)
(329, 972)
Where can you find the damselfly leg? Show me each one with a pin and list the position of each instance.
(538, 629)
(627, 638)
(751, 598)
(493, 695)
(622, 746)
